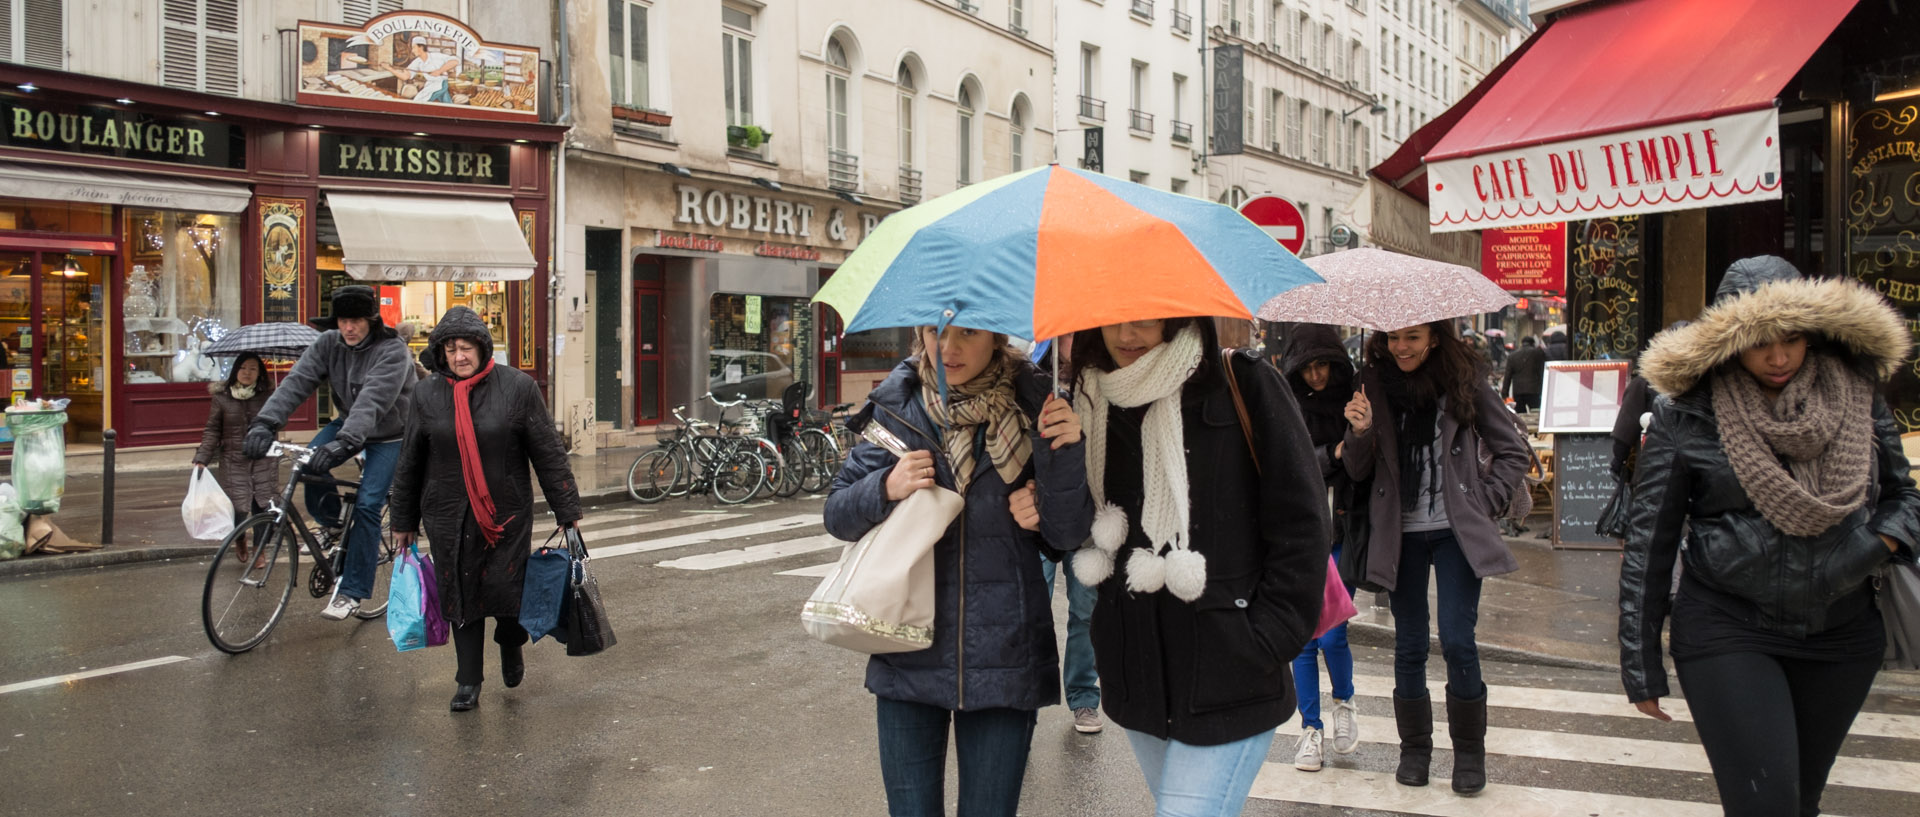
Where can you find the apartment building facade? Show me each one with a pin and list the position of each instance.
(1129, 89)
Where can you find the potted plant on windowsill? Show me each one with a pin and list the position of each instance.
(644, 116)
(750, 137)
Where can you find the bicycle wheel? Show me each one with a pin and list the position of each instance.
(800, 466)
(783, 475)
(244, 598)
(739, 476)
(822, 464)
(653, 475)
(375, 604)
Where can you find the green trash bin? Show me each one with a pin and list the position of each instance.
(39, 458)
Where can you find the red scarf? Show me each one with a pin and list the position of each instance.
(470, 468)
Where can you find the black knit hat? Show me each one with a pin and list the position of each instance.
(355, 301)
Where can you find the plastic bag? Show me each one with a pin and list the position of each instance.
(39, 458)
(206, 510)
(13, 541)
(406, 621)
(437, 628)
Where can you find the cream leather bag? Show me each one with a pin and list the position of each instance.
(880, 598)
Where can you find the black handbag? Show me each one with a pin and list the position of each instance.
(1353, 519)
(582, 613)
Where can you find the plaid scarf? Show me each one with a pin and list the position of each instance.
(987, 400)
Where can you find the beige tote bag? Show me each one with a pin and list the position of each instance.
(880, 598)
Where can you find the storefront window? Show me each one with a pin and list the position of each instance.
(876, 350)
(181, 293)
(1883, 205)
(759, 345)
(1608, 279)
(55, 217)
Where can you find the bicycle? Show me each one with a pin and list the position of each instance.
(782, 479)
(245, 597)
(697, 460)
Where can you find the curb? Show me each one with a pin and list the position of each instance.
(1381, 635)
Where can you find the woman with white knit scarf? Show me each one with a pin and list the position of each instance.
(1209, 553)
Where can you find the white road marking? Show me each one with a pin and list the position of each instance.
(1377, 791)
(1615, 704)
(92, 673)
(757, 553)
(754, 529)
(656, 527)
(814, 572)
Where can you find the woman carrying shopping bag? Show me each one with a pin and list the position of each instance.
(1773, 458)
(473, 430)
(1012, 452)
(1444, 459)
(1209, 552)
(249, 484)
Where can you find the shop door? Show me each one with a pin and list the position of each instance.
(830, 331)
(649, 373)
(64, 353)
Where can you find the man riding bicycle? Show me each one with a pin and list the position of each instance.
(371, 373)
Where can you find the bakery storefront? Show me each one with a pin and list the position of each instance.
(139, 224)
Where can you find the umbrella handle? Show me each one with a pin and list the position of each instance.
(940, 370)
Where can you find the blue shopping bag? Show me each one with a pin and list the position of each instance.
(543, 593)
(406, 603)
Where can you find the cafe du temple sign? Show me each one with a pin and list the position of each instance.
(420, 63)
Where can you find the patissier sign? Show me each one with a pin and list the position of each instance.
(1677, 166)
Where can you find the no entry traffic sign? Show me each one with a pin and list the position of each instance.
(1280, 219)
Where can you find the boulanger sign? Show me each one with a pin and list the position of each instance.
(122, 133)
(417, 62)
(1679, 166)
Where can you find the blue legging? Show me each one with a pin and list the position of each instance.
(1306, 668)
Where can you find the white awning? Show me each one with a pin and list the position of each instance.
(423, 238)
(130, 189)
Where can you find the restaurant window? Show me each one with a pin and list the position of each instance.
(627, 53)
(759, 345)
(181, 293)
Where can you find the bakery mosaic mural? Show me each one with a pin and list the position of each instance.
(420, 63)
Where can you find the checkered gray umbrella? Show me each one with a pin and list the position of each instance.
(274, 340)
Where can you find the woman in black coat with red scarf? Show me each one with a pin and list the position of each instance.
(475, 498)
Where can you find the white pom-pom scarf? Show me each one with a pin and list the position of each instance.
(1153, 381)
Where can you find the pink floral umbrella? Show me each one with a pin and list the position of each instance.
(1384, 291)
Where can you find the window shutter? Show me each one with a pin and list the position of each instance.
(46, 42)
(200, 45)
(223, 47)
(6, 30)
(356, 12)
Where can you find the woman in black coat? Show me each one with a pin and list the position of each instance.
(473, 430)
(1225, 553)
(1775, 470)
(248, 484)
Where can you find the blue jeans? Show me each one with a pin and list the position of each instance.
(1458, 590)
(1077, 671)
(1306, 668)
(323, 504)
(1199, 781)
(991, 744)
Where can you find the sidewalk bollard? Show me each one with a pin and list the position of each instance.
(106, 488)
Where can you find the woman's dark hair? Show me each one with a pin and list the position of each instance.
(263, 382)
(1090, 348)
(1452, 369)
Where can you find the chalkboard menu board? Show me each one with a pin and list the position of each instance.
(1582, 484)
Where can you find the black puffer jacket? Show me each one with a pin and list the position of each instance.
(1798, 586)
(511, 423)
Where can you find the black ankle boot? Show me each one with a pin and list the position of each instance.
(1467, 724)
(1414, 717)
(465, 697)
(513, 667)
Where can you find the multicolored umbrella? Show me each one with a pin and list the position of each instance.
(1053, 250)
(1383, 290)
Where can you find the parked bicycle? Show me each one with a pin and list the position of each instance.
(697, 458)
(782, 479)
(245, 597)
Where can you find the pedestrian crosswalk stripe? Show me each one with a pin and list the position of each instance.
(92, 673)
(1615, 704)
(1866, 773)
(656, 527)
(753, 529)
(1377, 791)
(757, 553)
(814, 572)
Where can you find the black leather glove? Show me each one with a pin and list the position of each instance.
(259, 441)
(329, 456)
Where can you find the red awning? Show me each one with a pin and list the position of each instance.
(1625, 107)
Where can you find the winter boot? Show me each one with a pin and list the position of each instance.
(1467, 724)
(1414, 717)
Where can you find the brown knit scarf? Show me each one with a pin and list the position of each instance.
(1822, 424)
(986, 399)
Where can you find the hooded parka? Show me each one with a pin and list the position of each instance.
(1687, 502)
(511, 423)
(248, 483)
(1324, 410)
(993, 641)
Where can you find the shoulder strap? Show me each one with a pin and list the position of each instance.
(1239, 406)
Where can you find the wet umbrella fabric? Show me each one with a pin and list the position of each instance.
(275, 340)
(1384, 291)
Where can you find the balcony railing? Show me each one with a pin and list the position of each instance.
(909, 185)
(1143, 9)
(843, 170)
(1140, 120)
(1182, 22)
(1182, 132)
(1094, 109)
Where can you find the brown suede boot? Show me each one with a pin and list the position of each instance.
(1414, 717)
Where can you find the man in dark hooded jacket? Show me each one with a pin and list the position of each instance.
(370, 372)
(1526, 368)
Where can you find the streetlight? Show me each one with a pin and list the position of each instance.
(1373, 107)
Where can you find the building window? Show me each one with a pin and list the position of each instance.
(838, 69)
(964, 155)
(1178, 186)
(1017, 134)
(1299, 36)
(200, 45)
(1136, 177)
(736, 58)
(1319, 124)
(183, 291)
(627, 53)
(1017, 17)
(1296, 121)
(358, 12)
(1273, 102)
(33, 32)
(1275, 20)
(908, 92)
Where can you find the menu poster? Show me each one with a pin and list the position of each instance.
(1582, 395)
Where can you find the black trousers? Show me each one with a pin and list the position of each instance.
(1524, 402)
(469, 645)
(1772, 726)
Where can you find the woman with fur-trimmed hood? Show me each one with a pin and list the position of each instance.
(1775, 634)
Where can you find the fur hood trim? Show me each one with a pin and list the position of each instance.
(1870, 330)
